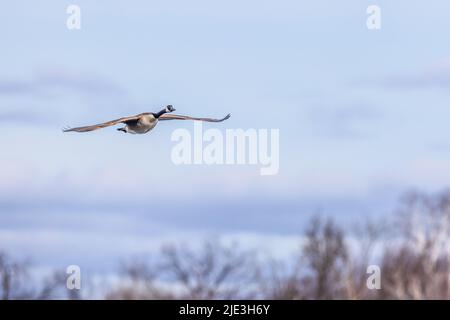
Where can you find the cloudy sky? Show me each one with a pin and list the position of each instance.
(363, 116)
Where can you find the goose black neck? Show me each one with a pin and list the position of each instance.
(159, 114)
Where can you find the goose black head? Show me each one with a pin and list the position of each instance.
(170, 108)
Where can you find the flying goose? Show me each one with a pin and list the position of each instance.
(142, 123)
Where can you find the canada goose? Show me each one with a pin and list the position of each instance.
(142, 123)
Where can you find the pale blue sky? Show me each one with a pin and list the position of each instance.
(363, 116)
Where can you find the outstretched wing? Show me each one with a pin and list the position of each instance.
(168, 116)
(103, 125)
